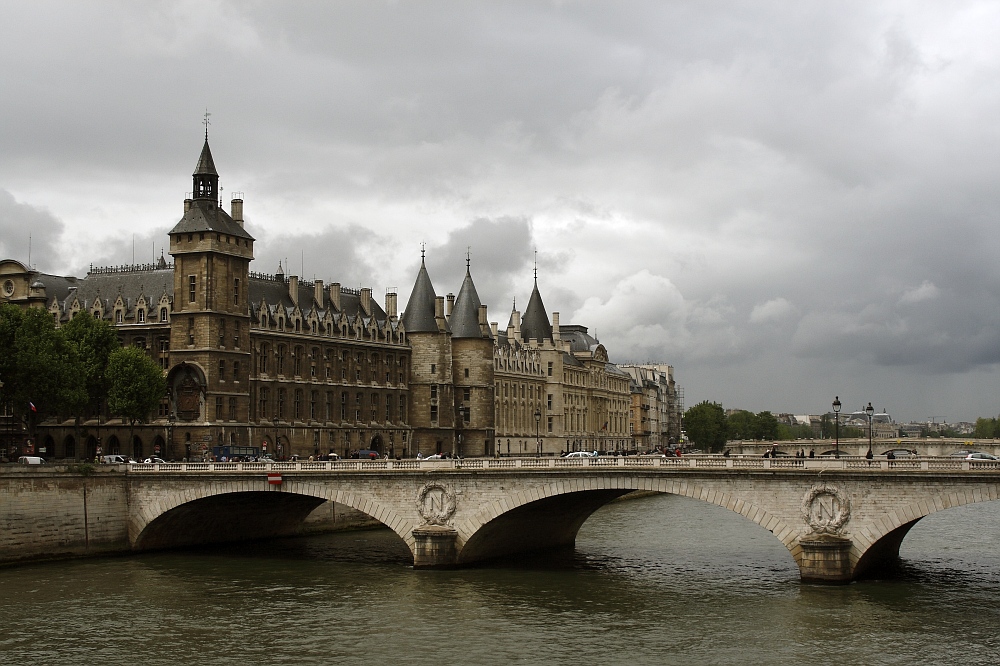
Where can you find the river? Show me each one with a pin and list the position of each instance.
(659, 580)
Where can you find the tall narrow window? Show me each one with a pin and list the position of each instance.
(232, 409)
(236, 334)
(236, 291)
(192, 288)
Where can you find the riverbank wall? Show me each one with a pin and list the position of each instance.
(63, 511)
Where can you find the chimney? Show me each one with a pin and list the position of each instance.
(366, 300)
(390, 304)
(517, 323)
(555, 327)
(484, 324)
(237, 211)
(187, 205)
(335, 296)
(495, 327)
(451, 303)
(439, 307)
(318, 292)
(293, 288)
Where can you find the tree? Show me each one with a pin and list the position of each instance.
(94, 340)
(705, 424)
(767, 426)
(136, 386)
(39, 367)
(741, 425)
(986, 428)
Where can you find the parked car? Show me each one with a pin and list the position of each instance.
(154, 460)
(581, 454)
(30, 460)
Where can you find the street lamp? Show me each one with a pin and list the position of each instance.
(836, 423)
(170, 436)
(870, 411)
(275, 422)
(538, 440)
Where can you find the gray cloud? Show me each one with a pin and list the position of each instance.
(782, 202)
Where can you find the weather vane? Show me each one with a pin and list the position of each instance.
(206, 122)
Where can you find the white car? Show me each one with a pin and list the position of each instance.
(978, 455)
(582, 454)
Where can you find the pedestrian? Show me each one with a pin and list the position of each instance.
(812, 453)
(868, 457)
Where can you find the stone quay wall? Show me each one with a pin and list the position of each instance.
(63, 511)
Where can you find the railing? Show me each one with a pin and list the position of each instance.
(714, 463)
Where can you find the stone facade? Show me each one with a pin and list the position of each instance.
(271, 362)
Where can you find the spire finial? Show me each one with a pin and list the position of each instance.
(468, 258)
(536, 265)
(206, 122)
(423, 251)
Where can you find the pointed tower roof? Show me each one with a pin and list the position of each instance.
(419, 314)
(535, 323)
(464, 320)
(206, 165)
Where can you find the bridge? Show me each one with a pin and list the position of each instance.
(841, 519)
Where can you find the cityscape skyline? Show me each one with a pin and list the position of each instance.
(784, 206)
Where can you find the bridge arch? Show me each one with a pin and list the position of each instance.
(230, 510)
(551, 515)
(876, 544)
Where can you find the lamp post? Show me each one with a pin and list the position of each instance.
(836, 423)
(538, 440)
(275, 422)
(870, 411)
(170, 437)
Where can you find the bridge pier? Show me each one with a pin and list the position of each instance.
(435, 547)
(825, 558)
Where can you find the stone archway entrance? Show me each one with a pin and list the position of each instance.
(377, 443)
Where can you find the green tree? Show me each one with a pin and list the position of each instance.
(767, 426)
(985, 428)
(39, 366)
(741, 424)
(94, 340)
(705, 424)
(136, 386)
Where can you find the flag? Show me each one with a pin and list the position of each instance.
(32, 405)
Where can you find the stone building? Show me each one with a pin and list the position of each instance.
(267, 362)
(655, 411)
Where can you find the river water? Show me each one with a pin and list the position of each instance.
(659, 580)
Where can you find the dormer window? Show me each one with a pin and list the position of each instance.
(119, 316)
(163, 314)
(140, 316)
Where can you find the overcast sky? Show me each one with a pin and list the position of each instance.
(786, 201)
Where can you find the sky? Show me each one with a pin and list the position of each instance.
(785, 201)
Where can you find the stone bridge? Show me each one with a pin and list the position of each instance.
(840, 519)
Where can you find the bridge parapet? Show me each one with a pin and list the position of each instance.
(702, 463)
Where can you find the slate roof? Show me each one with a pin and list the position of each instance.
(464, 320)
(535, 322)
(207, 215)
(275, 294)
(579, 339)
(206, 165)
(419, 314)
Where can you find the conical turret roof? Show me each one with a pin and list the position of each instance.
(206, 165)
(464, 320)
(419, 314)
(535, 323)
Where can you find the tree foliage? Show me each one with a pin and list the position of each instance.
(94, 340)
(39, 366)
(136, 384)
(987, 429)
(705, 424)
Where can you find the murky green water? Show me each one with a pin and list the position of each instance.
(663, 580)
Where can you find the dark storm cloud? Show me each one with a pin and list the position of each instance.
(28, 229)
(777, 198)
